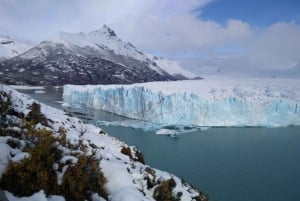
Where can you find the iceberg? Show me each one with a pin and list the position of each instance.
(201, 103)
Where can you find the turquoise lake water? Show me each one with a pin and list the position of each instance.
(237, 164)
(230, 164)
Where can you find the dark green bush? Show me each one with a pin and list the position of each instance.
(62, 138)
(5, 106)
(163, 192)
(34, 173)
(126, 151)
(138, 156)
(35, 116)
(83, 178)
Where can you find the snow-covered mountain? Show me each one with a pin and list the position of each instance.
(11, 47)
(126, 177)
(214, 101)
(86, 58)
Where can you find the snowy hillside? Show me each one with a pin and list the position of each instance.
(127, 178)
(10, 47)
(210, 102)
(173, 68)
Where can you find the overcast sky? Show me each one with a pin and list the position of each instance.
(268, 32)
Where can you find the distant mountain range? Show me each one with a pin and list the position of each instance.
(98, 57)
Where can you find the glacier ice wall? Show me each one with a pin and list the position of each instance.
(183, 108)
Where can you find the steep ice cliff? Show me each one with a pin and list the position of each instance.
(211, 102)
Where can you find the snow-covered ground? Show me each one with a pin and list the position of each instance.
(126, 178)
(214, 101)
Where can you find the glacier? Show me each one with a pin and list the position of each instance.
(201, 103)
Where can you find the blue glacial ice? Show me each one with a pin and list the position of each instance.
(186, 108)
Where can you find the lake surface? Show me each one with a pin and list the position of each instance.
(230, 164)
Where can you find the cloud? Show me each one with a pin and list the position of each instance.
(278, 46)
(169, 27)
(270, 51)
(165, 26)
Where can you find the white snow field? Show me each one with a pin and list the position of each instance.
(214, 101)
(12, 47)
(126, 178)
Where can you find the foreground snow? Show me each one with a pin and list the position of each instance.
(210, 102)
(126, 178)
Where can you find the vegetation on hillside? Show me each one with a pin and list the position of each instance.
(39, 171)
(58, 166)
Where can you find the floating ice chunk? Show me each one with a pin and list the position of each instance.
(164, 131)
(39, 92)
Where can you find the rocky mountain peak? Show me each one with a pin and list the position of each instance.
(106, 30)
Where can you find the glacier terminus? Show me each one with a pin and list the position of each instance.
(211, 102)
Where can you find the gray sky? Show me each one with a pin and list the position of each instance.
(172, 28)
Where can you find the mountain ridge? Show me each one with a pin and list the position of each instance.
(97, 57)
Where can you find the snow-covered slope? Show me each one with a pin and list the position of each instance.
(102, 39)
(210, 102)
(173, 68)
(127, 178)
(10, 47)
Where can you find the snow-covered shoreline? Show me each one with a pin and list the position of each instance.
(126, 178)
(209, 102)
(23, 87)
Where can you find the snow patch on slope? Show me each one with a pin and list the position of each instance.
(10, 47)
(172, 67)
